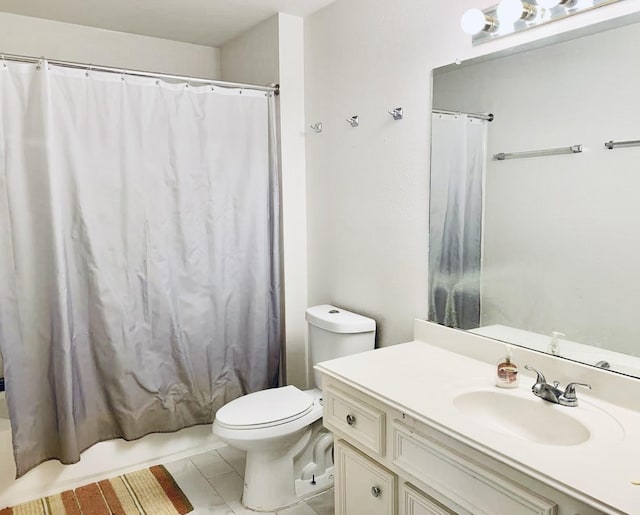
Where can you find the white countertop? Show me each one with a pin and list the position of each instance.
(421, 379)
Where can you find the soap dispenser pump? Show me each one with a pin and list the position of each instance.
(554, 344)
(507, 371)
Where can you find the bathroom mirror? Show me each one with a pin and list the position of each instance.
(534, 222)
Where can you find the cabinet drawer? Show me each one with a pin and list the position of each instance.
(356, 419)
(471, 485)
(362, 486)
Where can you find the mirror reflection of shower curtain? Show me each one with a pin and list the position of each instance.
(458, 156)
(139, 255)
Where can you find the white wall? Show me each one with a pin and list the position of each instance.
(294, 202)
(368, 186)
(23, 35)
(561, 233)
(273, 52)
(252, 57)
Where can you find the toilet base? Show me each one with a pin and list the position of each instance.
(303, 490)
(275, 480)
(269, 476)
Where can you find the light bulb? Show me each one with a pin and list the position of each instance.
(473, 21)
(510, 11)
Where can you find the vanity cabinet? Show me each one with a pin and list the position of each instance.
(389, 463)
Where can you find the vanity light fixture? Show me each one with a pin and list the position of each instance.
(510, 16)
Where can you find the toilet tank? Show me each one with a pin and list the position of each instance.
(335, 332)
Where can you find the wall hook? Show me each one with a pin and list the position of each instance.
(317, 127)
(397, 113)
(354, 121)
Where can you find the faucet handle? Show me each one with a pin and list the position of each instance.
(570, 390)
(540, 379)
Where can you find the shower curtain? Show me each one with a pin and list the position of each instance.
(458, 156)
(139, 255)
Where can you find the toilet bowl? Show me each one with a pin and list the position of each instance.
(274, 427)
(289, 453)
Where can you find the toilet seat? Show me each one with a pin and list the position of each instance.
(266, 408)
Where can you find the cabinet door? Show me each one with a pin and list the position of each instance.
(362, 486)
(414, 502)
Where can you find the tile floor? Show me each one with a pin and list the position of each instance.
(213, 483)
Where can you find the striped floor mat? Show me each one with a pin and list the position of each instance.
(146, 492)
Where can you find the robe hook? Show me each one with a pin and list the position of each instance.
(354, 121)
(397, 113)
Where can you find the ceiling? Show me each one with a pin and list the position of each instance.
(202, 22)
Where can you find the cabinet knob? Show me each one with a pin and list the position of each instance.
(351, 419)
(375, 491)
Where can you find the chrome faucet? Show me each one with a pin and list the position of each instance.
(552, 392)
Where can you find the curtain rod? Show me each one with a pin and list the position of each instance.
(489, 117)
(139, 73)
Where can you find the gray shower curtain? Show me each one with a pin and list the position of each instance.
(139, 255)
(458, 155)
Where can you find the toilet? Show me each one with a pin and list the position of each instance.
(289, 452)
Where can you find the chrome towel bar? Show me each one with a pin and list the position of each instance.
(573, 149)
(613, 144)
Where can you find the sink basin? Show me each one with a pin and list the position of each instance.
(529, 418)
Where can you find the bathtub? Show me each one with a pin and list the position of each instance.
(103, 460)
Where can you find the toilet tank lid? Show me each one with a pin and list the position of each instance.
(339, 320)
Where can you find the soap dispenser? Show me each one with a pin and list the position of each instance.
(507, 371)
(554, 347)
